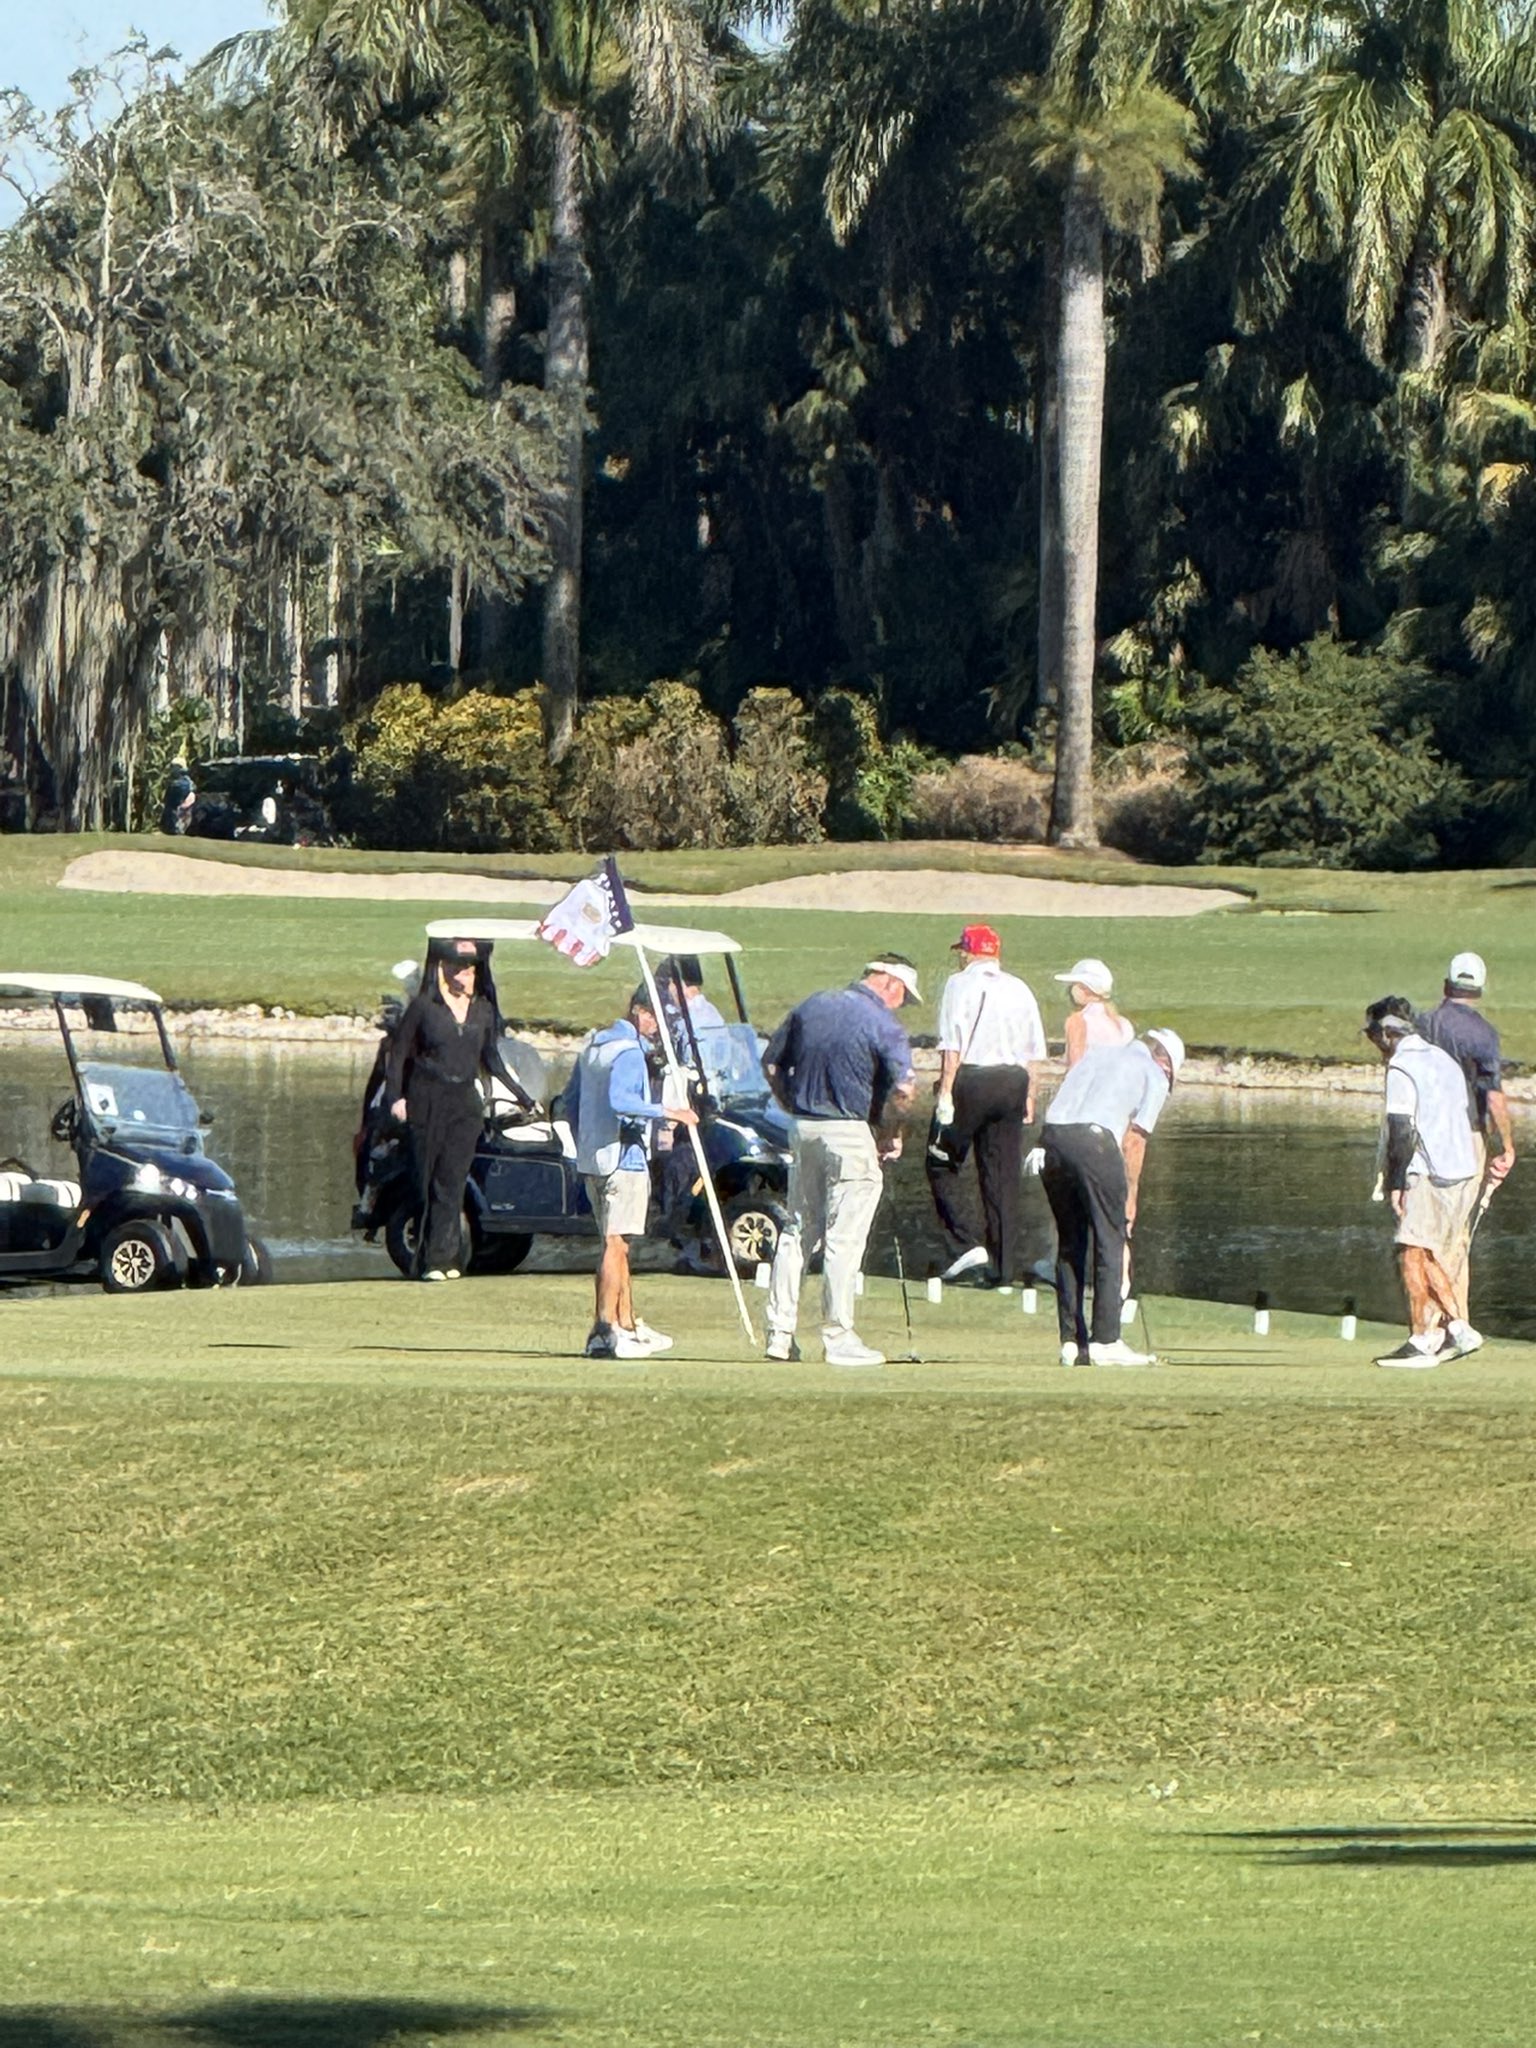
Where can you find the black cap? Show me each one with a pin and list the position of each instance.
(1388, 1017)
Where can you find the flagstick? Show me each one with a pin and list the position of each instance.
(670, 1052)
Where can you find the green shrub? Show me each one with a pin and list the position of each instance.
(464, 777)
(777, 794)
(494, 775)
(587, 794)
(671, 783)
(869, 784)
(1320, 758)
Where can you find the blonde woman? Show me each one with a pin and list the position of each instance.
(1095, 1021)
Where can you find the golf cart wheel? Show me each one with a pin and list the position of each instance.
(502, 1254)
(138, 1257)
(752, 1226)
(400, 1241)
(254, 1269)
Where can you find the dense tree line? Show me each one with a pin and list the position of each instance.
(1072, 376)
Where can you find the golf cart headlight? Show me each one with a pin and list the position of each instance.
(149, 1180)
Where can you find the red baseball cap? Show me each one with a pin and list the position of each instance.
(979, 939)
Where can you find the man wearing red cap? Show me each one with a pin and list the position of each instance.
(990, 1040)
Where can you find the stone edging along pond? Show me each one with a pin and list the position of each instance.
(253, 1024)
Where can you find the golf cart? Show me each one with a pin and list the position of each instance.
(149, 1208)
(524, 1182)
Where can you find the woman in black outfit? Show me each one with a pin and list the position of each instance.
(447, 1036)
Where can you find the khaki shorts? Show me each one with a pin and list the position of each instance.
(619, 1201)
(1435, 1217)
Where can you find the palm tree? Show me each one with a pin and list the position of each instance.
(535, 87)
(1097, 126)
(1402, 148)
(1090, 126)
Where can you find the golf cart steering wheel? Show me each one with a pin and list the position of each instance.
(65, 1122)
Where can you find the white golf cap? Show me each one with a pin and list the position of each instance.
(1171, 1043)
(899, 970)
(1091, 974)
(1468, 971)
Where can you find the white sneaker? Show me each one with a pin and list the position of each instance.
(781, 1346)
(435, 1274)
(1460, 1339)
(851, 1350)
(1070, 1354)
(966, 1263)
(1119, 1353)
(1418, 1354)
(629, 1344)
(653, 1338)
(453, 1273)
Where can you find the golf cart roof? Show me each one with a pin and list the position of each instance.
(655, 938)
(74, 985)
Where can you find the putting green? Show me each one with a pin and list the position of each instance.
(373, 1669)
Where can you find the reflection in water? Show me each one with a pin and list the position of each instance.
(1242, 1192)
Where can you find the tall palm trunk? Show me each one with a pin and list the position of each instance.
(853, 626)
(565, 378)
(1426, 330)
(498, 314)
(1080, 362)
(1048, 642)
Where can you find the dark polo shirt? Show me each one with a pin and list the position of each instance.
(1473, 1043)
(839, 1055)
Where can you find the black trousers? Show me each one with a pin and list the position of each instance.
(444, 1122)
(1085, 1184)
(989, 1120)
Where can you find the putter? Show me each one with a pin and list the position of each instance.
(906, 1302)
(1146, 1333)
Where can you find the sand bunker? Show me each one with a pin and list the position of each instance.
(960, 893)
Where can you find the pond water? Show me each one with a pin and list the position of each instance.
(1242, 1191)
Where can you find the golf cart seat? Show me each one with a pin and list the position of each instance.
(548, 1137)
(52, 1194)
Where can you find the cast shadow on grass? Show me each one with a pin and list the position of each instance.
(1449, 1845)
(260, 2023)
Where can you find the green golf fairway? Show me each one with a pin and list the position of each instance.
(1289, 973)
(375, 1668)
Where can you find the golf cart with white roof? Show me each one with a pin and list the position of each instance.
(524, 1182)
(149, 1208)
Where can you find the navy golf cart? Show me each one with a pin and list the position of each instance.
(524, 1183)
(146, 1207)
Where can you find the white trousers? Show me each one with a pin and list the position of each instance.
(834, 1191)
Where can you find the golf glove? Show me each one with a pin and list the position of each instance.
(944, 1110)
(1034, 1160)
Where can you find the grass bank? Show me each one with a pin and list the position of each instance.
(1287, 975)
(785, 1916)
(371, 1668)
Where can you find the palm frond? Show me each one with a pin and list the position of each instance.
(858, 162)
(672, 73)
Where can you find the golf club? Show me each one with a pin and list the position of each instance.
(1146, 1332)
(888, 1201)
(906, 1301)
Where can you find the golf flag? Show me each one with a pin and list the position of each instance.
(587, 919)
